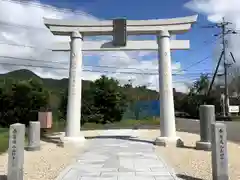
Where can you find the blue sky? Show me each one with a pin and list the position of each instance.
(199, 37)
(31, 15)
(200, 58)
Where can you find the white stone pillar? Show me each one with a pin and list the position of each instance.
(167, 113)
(74, 89)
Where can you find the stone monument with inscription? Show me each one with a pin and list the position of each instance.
(16, 152)
(219, 152)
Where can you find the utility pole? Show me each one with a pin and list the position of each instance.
(224, 31)
(225, 65)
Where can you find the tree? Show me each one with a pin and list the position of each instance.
(90, 112)
(109, 99)
(201, 85)
(63, 105)
(197, 96)
(104, 101)
(21, 101)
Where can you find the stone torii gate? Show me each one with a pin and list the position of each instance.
(162, 28)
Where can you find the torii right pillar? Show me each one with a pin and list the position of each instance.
(167, 113)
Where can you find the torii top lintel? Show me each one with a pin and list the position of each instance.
(134, 27)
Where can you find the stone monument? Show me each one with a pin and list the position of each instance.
(33, 136)
(219, 152)
(207, 117)
(16, 152)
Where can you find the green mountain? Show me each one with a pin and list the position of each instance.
(56, 87)
(49, 83)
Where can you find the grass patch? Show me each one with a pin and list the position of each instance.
(3, 139)
(4, 136)
(60, 127)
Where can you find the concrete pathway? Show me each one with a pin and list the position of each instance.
(117, 159)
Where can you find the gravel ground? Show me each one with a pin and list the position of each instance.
(188, 162)
(193, 164)
(45, 164)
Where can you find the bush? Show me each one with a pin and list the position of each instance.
(104, 102)
(20, 102)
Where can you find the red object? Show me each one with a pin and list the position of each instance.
(45, 119)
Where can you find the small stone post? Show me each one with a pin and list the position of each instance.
(16, 152)
(219, 152)
(33, 136)
(207, 117)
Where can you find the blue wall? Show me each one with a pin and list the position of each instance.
(143, 109)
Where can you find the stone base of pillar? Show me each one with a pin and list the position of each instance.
(200, 145)
(169, 141)
(33, 148)
(72, 141)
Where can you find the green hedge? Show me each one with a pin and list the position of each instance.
(3, 139)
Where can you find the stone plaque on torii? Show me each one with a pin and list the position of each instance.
(120, 28)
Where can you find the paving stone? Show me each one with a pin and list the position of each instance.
(72, 174)
(126, 163)
(98, 178)
(107, 174)
(135, 178)
(142, 169)
(158, 169)
(122, 169)
(149, 166)
(151, 173)
(117, 159)
(165, 178)
(89, 165)
(91, 169)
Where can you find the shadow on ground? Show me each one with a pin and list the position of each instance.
(3, 177)
(186, 177)
(188, 147)
(58, 142)
(128, 138)
(54, 140)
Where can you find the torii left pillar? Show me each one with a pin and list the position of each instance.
(73, 133)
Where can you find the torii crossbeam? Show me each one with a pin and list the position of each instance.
(145, 45)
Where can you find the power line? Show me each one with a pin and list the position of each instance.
(23, 45)
(188, 79)
(50, 49)
(86, 70)
(59, 62)
(34, 47)
(186, 69)
(68, 10)
(194, 64)
(92, 66)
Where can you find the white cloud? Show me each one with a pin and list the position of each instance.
(24, 25)
(215, 10)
